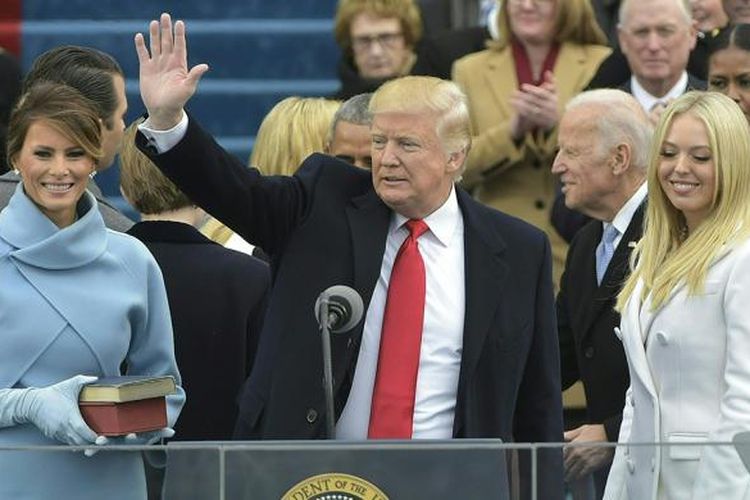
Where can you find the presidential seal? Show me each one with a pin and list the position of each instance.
(334, 486)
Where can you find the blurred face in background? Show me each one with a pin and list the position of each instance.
(729, 73)
(352, 143)
(532, 21)
(708, 14)
(738, 11)
(378, 45)
(656, 38)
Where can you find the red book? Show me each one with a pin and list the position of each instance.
(118, 419)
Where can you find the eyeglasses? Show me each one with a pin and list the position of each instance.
(385, 40)
(539, 4)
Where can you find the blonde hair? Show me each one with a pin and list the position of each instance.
(295, 128)
(416, 94)
(664, 258)
(575, 22)
(142, 183)
(406, 11)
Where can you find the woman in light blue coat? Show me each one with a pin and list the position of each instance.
(77, 301)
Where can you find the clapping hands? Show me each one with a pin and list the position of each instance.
(536, 107)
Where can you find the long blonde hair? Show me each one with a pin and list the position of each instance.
(664, 258)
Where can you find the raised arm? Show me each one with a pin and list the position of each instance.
(165, 81)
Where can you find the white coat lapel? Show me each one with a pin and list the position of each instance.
(635, 323)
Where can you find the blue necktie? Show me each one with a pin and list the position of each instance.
(605, 250)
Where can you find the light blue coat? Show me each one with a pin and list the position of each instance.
(78, 300)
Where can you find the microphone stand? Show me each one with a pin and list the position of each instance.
(325, 332)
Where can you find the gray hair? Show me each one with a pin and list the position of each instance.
(354, 110)
(622, 120)
(685, 8)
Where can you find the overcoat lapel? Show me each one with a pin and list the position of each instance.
(485, 271)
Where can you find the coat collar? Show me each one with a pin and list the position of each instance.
(159, 231)
(38, 242)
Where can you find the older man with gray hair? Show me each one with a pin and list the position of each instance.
(349, 136)
(656, 37)
(604, 142)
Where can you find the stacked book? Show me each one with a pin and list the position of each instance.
(115, 406)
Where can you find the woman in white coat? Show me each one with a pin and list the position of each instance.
(686, 312)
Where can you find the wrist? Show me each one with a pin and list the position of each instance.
(164, 119)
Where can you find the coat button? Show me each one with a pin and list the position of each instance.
(653, 464)
(631, 465)
(589, 352)
(311, 416)
(661, 337)
(539, 204)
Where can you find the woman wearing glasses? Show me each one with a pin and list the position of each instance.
(547, 52)
(377, 39)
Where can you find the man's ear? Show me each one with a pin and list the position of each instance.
(456, 160)
(620, 159)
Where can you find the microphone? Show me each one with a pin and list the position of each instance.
(345, 308)
(338, 309)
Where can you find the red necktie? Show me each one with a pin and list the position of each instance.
(400, 340)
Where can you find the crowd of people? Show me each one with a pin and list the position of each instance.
(573, 204)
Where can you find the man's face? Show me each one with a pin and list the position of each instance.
(411, 171)
(351, 143)
(378, 44)
(112, 136)
(656, 40)
(584, 169)
(738, 11)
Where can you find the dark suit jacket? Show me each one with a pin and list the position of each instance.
(326, 226)
(589, 349)
(113, 219)
(217, 298)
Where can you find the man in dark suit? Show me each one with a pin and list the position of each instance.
(95, 75)
(604, 144)
(488, 364)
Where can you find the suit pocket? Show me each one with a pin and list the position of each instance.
(687, 445)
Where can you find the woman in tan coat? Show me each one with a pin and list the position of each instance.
(547, 52)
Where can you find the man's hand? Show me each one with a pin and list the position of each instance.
(166, 84)
(583, 460)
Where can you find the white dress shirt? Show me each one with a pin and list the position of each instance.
(647, 101)
(442, 249)
(625, 215)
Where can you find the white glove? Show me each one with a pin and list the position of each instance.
(53, 410)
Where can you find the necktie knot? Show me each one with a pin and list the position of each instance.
(610, 234)
(416, 227)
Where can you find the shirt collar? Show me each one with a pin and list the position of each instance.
(442, 222)
(647, 100)
(623, 217)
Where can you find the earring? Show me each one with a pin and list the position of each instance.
(92, 174)
(16, 171)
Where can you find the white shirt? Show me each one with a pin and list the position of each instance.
(647, 101)
(442, 249)
(625, 214)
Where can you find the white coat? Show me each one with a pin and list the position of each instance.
(689, 365)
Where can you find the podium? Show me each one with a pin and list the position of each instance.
(307, 470)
